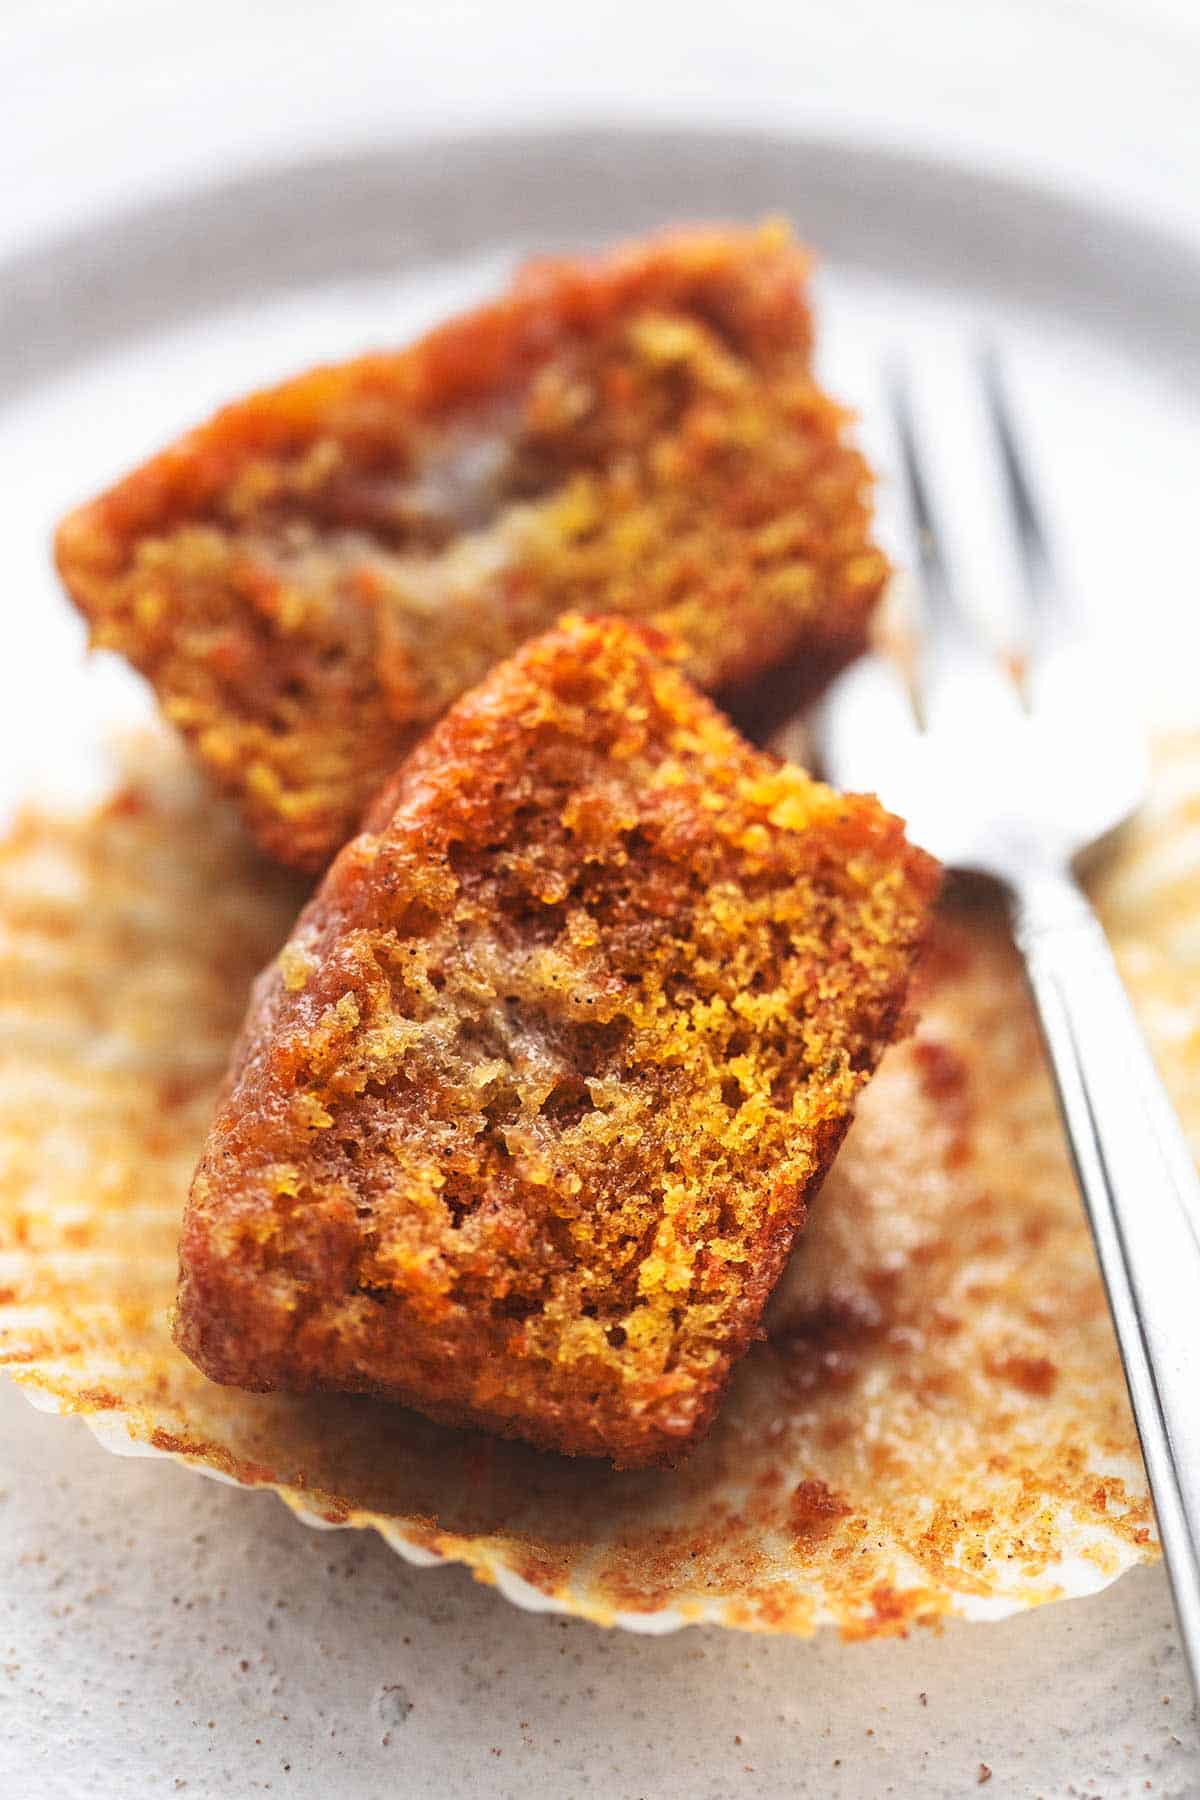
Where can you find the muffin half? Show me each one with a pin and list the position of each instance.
(525, 1117)
(312, 577)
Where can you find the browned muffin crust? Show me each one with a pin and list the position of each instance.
(524, 1118)
(313, 576)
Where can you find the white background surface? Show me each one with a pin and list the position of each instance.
(133, 1594)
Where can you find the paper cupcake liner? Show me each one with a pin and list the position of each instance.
(934, 1423)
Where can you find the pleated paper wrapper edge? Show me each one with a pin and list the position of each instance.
(934, 1424)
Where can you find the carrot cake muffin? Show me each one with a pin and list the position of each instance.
(312, 577)
(525, 1116)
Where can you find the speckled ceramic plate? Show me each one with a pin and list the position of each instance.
(936, 1422)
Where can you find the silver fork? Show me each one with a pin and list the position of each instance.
(1016, 783)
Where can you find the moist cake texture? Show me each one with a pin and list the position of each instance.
(525, 1116)
(312, 577)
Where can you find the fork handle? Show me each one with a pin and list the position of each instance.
(1142, 1195)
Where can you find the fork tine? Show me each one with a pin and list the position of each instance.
(1037, 563)
(943, 614)
(865, 725)
(930, 557)
(1067, 663)
(957, 672)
